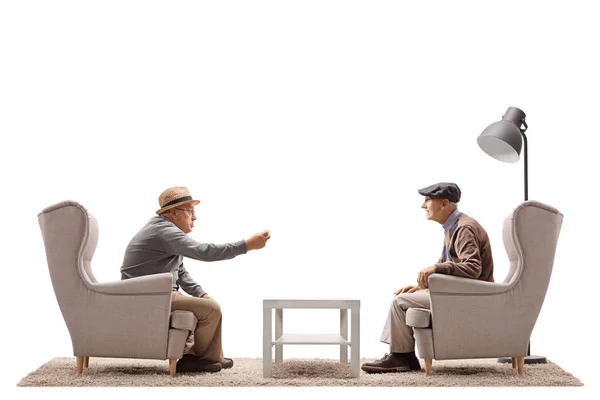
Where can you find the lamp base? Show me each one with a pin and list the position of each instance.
(528, 360)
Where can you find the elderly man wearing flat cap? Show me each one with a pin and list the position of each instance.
(466, 253)
(160, 247)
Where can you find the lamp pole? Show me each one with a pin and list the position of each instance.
(502, 141)
(526, 182)
(525, 159)
(529, 359)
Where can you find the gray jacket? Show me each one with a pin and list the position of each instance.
(160, 247)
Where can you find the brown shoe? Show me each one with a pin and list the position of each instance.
(393, 363)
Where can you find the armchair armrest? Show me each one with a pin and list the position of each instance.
(448, 284)
(145, 285)
(123, 319)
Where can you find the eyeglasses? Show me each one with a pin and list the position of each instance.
(192, 212)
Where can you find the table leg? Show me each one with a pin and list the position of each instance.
(355, 342)
(267, 342)
(278, 333)
(344, 335)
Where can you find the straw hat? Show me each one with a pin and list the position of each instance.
(173, 197)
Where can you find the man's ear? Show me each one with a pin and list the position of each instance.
(445, 203)
(168, 215)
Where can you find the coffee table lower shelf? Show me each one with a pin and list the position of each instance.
(303, 338)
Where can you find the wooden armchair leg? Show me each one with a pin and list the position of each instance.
(79, 365)
(520, 365)
(428, 366)
(514, 362)
(86, 362)
(172, 367)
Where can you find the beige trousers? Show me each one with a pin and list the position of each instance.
(395, 332)
(207, 336)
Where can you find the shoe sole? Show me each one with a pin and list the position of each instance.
(199, 371)
(382, 370)
(193, 371)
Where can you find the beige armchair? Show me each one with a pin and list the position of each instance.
(123, 319)
(476, 319)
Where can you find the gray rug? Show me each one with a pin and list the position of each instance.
(293, 372)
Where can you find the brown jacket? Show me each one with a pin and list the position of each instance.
(470, 251)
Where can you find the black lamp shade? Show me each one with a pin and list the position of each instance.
(502, 139)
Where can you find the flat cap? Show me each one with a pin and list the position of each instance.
(442, 190)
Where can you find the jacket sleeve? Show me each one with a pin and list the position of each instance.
(467, 262)
(188, 284)
(177, 242)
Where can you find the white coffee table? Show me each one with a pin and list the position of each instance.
(340, 339)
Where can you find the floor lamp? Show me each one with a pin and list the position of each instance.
(503, 141)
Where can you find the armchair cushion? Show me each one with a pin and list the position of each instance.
(181, 319)
(448, 284)
(143, 285)
(418, 317)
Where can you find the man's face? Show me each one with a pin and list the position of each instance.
(184, 217)
(434, 209)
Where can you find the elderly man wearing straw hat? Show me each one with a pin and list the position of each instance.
(160, 247)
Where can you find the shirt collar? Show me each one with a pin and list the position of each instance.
(451, 219)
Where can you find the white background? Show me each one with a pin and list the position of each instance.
(318, 120)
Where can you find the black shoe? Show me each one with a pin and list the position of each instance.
(191, 363)
(413, 361)
(227, 363)
(392, 363)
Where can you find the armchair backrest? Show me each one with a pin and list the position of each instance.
(530, 236)
(70, 237)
